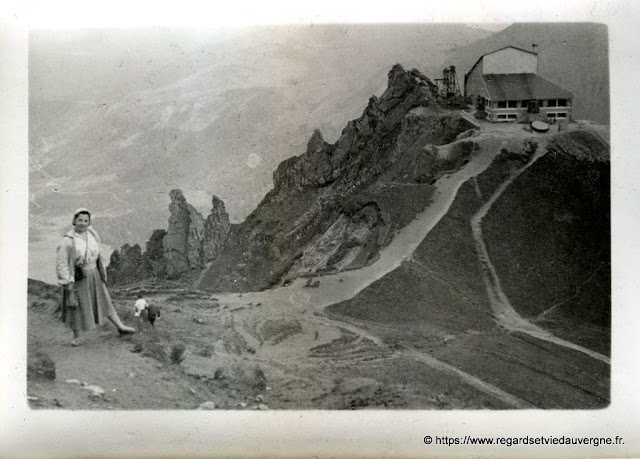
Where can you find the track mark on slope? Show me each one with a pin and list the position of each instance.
(448, 284)
(427, 359)
(477, 187)
(352, 328)
(118, 199)
(504, 312)
(544, 314)
(483, 386)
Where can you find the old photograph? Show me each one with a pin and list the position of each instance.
(320, 217)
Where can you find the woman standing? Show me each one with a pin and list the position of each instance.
(79, 267)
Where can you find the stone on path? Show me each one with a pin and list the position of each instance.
(208, 405)
(95, 389)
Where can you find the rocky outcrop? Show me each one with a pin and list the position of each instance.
(176, 241)
(195, 239)
(351, 242)
(130, 264)
(362, 150)
(336, 205)
(316, 168)
(189, 242)
(333, 207)
(408, 113)
(216, 229)
(126, 265)
(154, 257)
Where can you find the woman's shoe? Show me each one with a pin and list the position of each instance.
(124, 330)
(75, 342)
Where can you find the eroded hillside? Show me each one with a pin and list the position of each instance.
(336, 205)
(332, 208)
(533, 306)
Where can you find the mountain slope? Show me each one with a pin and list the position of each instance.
(416, 328)
(209, 112)
(548, 238)
(335, 206)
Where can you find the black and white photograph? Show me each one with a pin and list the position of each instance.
(376, 218)
(327, 216)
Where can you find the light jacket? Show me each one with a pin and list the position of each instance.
(66, 255)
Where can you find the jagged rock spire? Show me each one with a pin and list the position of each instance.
(177, 237)
(216, 229)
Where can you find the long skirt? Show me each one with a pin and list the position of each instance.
(95, 303)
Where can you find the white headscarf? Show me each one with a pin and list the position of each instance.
(80, 209)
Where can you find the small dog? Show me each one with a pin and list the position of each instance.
(153, 312)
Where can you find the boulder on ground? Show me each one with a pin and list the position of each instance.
(208, 405)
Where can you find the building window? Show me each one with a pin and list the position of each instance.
(512, 116)
(525, 104)
(502, 117)
(562, 102)
(552, 103)
(551, 116)
(512, 104)
(502, 104)
(561, 115)
(489, 103)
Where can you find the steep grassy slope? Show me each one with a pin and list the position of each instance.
(548, 237)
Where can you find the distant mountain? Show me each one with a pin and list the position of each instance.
(573, 55)
(119, 118)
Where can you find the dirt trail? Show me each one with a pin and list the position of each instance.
(485, 387)
(504, 312)
(335, 288)
(429, 360)
(105, 360)
(344, 286)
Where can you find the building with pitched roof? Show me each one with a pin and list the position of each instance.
(506, 85)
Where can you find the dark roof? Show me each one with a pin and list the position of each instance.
(523, 86)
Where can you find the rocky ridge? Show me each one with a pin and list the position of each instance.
(333, 207)
(188, 244)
